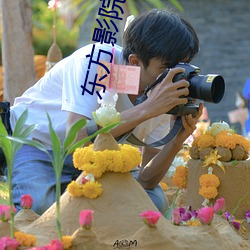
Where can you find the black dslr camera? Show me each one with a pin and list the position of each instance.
(209, 88)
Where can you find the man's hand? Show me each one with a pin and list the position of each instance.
(167, 94)
(188, 125)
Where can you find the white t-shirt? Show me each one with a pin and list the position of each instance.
(60, 91)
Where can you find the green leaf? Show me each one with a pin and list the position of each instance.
(238, 205)
(156, 3)
(35, 144)
(132, 8)
(56, 147)
(85, 140)
(24, 134)
(5, 144)
(71, 136)
(20, 123)
(177, 5)
(172, 207)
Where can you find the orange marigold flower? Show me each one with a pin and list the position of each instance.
(164, 186)
(209, 180)
(24, 239)
(208, 192)
(180, 177)
(242, 141)
(67, 242)
(206, 141)
(225, 139)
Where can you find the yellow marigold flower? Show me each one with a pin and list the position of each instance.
(75, 189)
(180, 177)
(131, 157)
(27, 240)
(93, 169)
(209, 180)
(92, 189)
(67, 242)
(208, 192)
(83, 156)
(97, 162)
(99, 158)
(226, 140)
(206, 141)
(193, 223)
(164, 186)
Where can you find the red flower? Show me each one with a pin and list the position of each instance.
(150, 217)
(206, 215)
(8, 243)
(5, 212)
(219, 206)
(86, 218)
(26, 201)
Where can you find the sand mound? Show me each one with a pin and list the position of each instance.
(234, 185)
(117, 223)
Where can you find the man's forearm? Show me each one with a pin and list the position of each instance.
(151, 174)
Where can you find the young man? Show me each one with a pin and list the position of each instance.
(154, 41)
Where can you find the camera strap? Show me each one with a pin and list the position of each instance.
(131, 138)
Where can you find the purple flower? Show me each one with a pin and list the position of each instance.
(236, 224)
(248, 216)
(195, 214)
(228, 216)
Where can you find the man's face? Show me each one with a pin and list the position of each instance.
(149, 75)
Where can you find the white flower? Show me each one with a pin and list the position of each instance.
(105, 116)
(217, 127)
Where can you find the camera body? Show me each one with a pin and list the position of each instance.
(209, 88)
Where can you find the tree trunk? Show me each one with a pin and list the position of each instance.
(17, 47)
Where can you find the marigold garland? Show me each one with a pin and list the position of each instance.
(206, 141)
(209, 180)
(180, 177)
(98, 162)
(208, 186)
(95, 163)
(24, 239)
(226, 139)
(208, 192)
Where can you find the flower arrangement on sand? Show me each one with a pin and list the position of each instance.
(215, 147)
(219, 142)
(93, 160)
(104, 155)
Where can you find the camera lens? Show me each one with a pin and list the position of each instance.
(209, 88)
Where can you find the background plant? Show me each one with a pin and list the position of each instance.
(42, 19)
(9, 149)
(85, 8)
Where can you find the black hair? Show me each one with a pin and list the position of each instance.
(162, 34)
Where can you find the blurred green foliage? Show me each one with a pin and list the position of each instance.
(42, 19)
